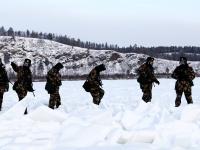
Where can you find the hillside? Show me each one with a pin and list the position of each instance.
(77, 61)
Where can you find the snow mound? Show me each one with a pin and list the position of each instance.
(122, 121)
(46, 114)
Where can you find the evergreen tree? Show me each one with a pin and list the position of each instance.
(2, 31)
(10, 32)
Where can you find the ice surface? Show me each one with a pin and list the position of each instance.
(122, 121)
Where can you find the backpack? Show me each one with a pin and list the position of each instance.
(49, 88)
(86, 86)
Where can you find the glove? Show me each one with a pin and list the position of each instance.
(157, 82)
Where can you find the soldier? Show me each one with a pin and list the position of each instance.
(147, 78)
(24, 79)
(4, 82)
(53, 84)
(95, 84)
(184, 75)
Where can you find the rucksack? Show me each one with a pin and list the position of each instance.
(49, 88)
(86, 86)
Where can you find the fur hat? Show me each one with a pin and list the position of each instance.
(27, 63)
(183, 59)
(149, 59)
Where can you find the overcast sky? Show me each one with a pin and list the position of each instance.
(122, 22)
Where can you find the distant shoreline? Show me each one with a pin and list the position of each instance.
(103, 77)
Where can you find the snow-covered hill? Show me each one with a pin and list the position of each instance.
(77, 61)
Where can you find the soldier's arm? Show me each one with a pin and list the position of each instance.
(142, 71)
(30, 84)
(174, 74)
(50, 76)
(53, 78)
(93, 75)
(6, 76)
(6, 81)
(29, 78)
(14, 66)
(153, 78)
(191, 74)
(58, 80)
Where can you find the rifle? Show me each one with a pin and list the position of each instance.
(33, 93)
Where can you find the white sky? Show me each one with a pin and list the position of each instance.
(122, 22)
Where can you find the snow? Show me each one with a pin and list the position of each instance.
(77, 61)
(122, 121)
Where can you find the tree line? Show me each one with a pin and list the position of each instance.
(170, 52)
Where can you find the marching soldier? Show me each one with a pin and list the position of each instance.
(95, 83)
(184, 75)
(24, 79)
(147, 78)
(53, 84)
(4, 82)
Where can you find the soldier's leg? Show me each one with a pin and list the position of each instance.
(58, 101)
(96, 96)
(21, 93)
(147, 96)
(147, 93)
(188, 95)
(101, 94)
(52, 101)
(1, 99)
(178, 98)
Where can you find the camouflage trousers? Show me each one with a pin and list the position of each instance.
(1, 97)
(54, 99)
(183, 87)
(21, 91)
(97, 94)
(147, 92)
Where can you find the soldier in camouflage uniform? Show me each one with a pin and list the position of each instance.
(24, 79)
(147, 78)
(184, 75)
(95, 84)
(4, 82)
(53, 84)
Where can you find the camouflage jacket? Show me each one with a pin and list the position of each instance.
(183, 73)
(94, 78)
(146, 74)
(54, 78)
(24, 76)
(3, 76)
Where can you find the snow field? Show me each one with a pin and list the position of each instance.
(122, 121)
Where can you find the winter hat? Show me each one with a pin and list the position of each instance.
(184, 59)
(149, 59)
(27, 62)
(58, 66)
